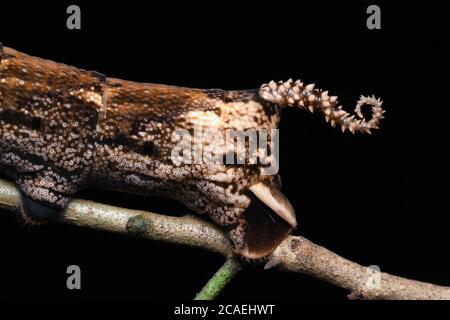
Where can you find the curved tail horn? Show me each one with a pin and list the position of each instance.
(291, 93)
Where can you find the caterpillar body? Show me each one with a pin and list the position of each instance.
(63, 129)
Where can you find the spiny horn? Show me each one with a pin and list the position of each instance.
(291, 94)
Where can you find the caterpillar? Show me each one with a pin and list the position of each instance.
(63, 129)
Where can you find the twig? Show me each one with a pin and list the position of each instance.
(187, 230)
(301, 255)
(295, 253)
(219, 280)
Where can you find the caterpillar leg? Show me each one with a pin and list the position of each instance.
(43, 199)
(36, 212)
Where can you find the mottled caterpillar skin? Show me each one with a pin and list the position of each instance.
(63, 129)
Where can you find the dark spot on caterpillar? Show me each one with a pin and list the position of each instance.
(8, 116)
(145, 148)
(19, 118)
(36, 123)
(270, 108)
(121, 139)
(295, 243)
(148, 148)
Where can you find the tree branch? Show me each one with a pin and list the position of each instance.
(295, 253)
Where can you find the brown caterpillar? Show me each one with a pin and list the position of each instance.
(63, 128)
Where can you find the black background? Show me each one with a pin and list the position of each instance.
(380, 199)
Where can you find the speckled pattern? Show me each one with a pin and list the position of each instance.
(63, 128)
